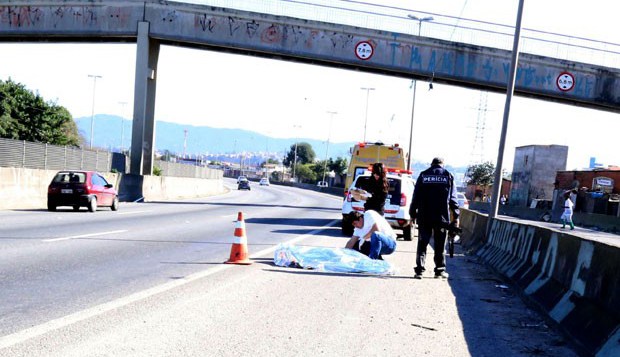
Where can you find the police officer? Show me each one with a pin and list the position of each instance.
(434, 198)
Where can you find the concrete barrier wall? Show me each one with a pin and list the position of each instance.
(574, 280)
(27, 188)
(156, 188)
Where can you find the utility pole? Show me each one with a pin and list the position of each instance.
(92, 115)
(184, 142)
(123, 104)
(497, 181)
(331, 119)
(295, 162)
(366, 119)
(414, 85)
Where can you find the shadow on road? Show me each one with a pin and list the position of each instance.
(521, 328)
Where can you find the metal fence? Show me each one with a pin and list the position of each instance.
(31, 155)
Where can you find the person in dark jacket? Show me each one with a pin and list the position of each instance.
(434, 207)
(378, 187)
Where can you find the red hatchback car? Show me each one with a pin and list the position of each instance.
(81, 189)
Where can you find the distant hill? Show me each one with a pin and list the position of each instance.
(203, 139)
(200, 139)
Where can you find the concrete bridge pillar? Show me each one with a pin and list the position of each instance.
(143, 129)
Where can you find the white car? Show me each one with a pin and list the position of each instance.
(264, 181)
(322, 184)
(241, 178)
(463, 202)
(396, 210)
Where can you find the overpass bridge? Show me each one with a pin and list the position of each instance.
(152, 23)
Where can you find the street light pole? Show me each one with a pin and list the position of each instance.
(366, 120)
(295, 162)
(92, 115)
(123, 104)
(329, 134)
(414, 85)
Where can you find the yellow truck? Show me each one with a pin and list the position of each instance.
(364, 155)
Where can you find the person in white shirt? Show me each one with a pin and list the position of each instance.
(372, 227)
(567, 216)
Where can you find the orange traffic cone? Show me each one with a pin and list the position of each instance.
(239, 249)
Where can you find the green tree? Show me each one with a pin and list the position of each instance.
(305, 154)
(276, 176)
(481, 174)
(339, 166)
(269, 161)
(319, 167)
(26, 116)
(304, 172)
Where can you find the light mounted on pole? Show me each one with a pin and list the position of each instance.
(295, 161)
(414, 85)
(366, 119)
(331, 119)
(123, 104)
(92, 115)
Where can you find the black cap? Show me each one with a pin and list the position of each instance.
(437, 161)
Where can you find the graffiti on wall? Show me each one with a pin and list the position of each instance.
(20, 16)
(59, 16)
(391, 51)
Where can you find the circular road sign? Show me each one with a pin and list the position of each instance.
(364, 50)
(565, 81)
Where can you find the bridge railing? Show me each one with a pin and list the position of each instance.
(395, 19)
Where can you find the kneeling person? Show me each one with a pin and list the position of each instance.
(372, 227)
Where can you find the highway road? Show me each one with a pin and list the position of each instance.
(56, 263)
(148, 280)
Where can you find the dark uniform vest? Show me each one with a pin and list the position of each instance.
(433, 197)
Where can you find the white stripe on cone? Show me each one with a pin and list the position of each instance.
(243, 239)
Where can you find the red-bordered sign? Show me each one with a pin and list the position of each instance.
(565, 81)
(364, 50)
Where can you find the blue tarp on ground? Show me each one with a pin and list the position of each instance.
(336, 260)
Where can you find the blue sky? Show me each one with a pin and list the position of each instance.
(283, 99)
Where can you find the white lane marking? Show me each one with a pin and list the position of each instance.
(234, 215)
(32, 332)
(134, 212)
(84, 236)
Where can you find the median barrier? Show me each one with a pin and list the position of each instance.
(574, 280)
(22, 188)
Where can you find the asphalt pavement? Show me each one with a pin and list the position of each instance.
(265, 310)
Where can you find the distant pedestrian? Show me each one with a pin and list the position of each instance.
(435, 207)
(502, 200)
(567, 216)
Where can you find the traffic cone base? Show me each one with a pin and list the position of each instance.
(239, 248)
